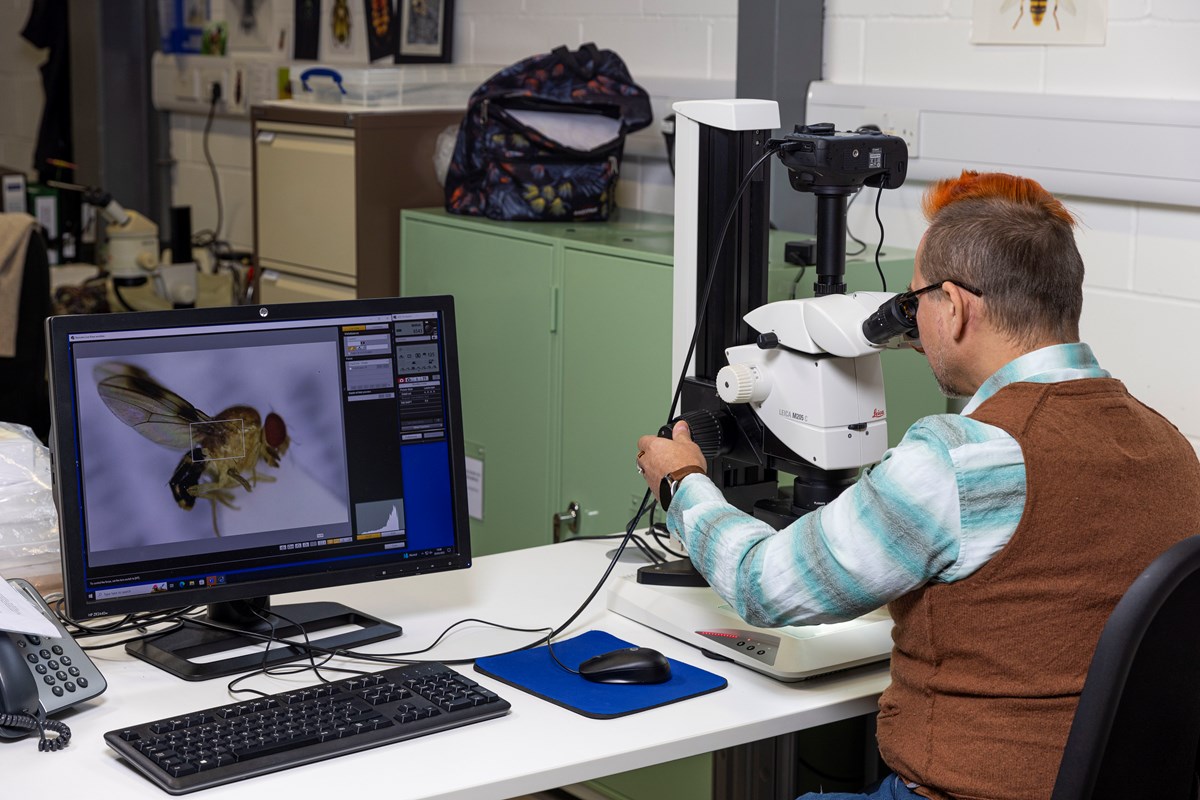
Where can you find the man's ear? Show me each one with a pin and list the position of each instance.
(961, 310)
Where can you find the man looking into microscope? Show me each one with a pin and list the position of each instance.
(1000, 538)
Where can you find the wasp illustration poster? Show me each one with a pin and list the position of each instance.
(1039, 21)
(224, 448)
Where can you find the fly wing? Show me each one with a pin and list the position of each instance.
(146, 406)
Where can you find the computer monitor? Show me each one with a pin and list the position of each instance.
(219, 456)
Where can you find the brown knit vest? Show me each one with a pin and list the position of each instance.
(987, 671)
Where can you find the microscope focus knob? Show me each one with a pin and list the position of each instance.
(714, 432)
(742, 383)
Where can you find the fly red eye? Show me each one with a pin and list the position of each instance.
(274, 430)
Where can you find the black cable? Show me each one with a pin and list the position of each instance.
(284, 669)
(40, 723)
(386, 658)
(62, 733)
(121, 298)
(175, 618)
(659, 532)
(701, 310)
(702, 307)
(878, 219)
(641, 544)
(393, 658)
(215, 234)
(861, 244)
(557, 660)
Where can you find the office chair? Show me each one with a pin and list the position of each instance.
(1137, 727)
(24, 393)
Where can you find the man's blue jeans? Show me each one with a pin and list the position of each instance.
(891, 788)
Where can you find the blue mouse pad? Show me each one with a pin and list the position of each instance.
(535, 672)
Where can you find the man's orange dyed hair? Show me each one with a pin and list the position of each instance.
(1011, 239)
(973, 185)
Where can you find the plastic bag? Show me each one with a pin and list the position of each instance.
(28, 519)
(443, 151)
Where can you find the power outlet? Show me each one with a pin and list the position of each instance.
(904, 123)
(210, 76)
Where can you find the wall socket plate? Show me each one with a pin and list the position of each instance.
(183, 83)
(902, 122)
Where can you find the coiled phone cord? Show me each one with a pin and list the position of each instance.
(29, 722)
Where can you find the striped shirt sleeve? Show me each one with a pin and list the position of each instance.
(901, 525)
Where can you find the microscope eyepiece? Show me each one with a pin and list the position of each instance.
(897, 316)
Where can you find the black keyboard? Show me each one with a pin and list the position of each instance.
(194, 751)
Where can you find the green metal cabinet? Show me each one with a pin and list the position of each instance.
(616, 380)
(557, 382)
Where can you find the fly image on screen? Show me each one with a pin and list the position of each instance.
(212, 444)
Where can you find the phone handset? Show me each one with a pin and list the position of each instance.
(21, 712)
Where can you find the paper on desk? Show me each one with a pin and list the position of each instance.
(19, 615)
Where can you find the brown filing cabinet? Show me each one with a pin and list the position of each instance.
(329, 184)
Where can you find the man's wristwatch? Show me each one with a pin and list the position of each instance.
(670, 483)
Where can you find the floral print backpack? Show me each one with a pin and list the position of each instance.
(542, 139)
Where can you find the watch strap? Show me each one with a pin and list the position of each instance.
(681, 473)
(666, 490)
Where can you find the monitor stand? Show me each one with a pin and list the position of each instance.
(175, 651)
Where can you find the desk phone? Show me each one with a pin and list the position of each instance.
(41, 675)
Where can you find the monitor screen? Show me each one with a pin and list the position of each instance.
(215, 455)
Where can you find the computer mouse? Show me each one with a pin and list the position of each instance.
(628, 665)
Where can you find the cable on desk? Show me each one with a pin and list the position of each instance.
(662, 536)
(642, 544)
(124, 624)
(285, 669)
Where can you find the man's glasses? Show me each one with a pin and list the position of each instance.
(906, 302)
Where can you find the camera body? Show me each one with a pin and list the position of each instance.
(822, 160)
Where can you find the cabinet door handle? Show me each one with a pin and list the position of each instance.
(568, 519)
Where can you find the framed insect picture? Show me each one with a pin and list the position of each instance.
(426, 29)
(1039, 22)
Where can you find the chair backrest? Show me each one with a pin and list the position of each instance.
(1136, 731)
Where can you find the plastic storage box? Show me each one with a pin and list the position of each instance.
(383, 87)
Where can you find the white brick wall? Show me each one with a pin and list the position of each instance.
(1143, 285)
(675, 48)
(1142, 290)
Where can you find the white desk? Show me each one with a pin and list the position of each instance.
(538, 746)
